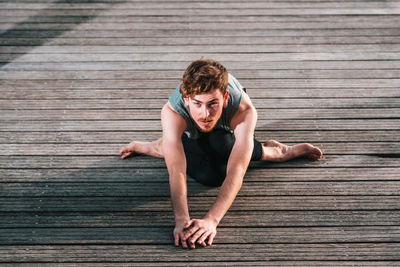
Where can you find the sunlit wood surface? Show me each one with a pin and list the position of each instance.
(80, 79)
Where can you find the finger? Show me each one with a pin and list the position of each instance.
(194, 238)
(211, 239)
(126, 155)
(123, 150)
(203, 237)
(183, 241)
(176, 238)
(190, 232)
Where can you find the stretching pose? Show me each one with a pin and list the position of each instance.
(208, 133)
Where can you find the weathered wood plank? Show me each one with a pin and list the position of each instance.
(197, 204)
(362, 20)
(187, 56)
(96, 25)
(232, 219)
(277, 103)
(106, 10)
(125, 137)
(143, 175)
(217, 264)
(50, 162)
(170, 85)
(155, 125)
(368, 31)
(223, 252)
(138, 93)
(182, 65)
(176, 75)
(156, 236)
(83, 189)
(382, 148)
(203, 5)
(200, 40)
(155, 114)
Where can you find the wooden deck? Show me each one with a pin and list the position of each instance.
(80, 79)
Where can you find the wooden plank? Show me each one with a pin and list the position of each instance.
(388, 9)
(157, 236)
(182, 65)
(155, 114)
(182, 18)
(297, 56)
(130, 189)
(161, 175)
(223, 252)
(142, 94)
(50, 162)
(125, 137)
(137, 93)
(196, 25)
(217, 264)
(382, 148)
(176, 75)
(238, 40)
(139, 104)
(197, 204)
(203, 5)
(170, 85)
(232, 219)
(143, 175)
(204, 33)
(155, 125)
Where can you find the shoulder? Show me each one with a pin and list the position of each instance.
(172, 121)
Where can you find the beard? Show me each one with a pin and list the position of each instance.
(206, 125)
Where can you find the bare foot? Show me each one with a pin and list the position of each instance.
(128, 150)
(278, 152)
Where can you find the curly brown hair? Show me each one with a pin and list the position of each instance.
(203, 76)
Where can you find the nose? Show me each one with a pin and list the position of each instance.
(205, 112)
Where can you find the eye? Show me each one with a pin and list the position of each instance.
(213, 105)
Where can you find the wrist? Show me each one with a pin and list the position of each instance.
(183, 219)
(212, 219)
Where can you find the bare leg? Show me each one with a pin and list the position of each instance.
(153, 149)
(278, 152)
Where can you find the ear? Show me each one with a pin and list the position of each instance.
(226, 98)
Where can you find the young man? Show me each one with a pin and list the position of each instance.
(208, 133)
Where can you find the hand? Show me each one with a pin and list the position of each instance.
(200, 231)
(179, 233)
(127, 151)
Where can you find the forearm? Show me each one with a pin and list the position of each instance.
(236, 169)
(178, 190)
(227, 194)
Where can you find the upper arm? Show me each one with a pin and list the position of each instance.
(244, 121)
(173, 126)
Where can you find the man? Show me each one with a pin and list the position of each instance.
(208, 132)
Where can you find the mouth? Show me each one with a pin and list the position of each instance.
(205, 123)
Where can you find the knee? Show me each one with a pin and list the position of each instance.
(209, 177)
